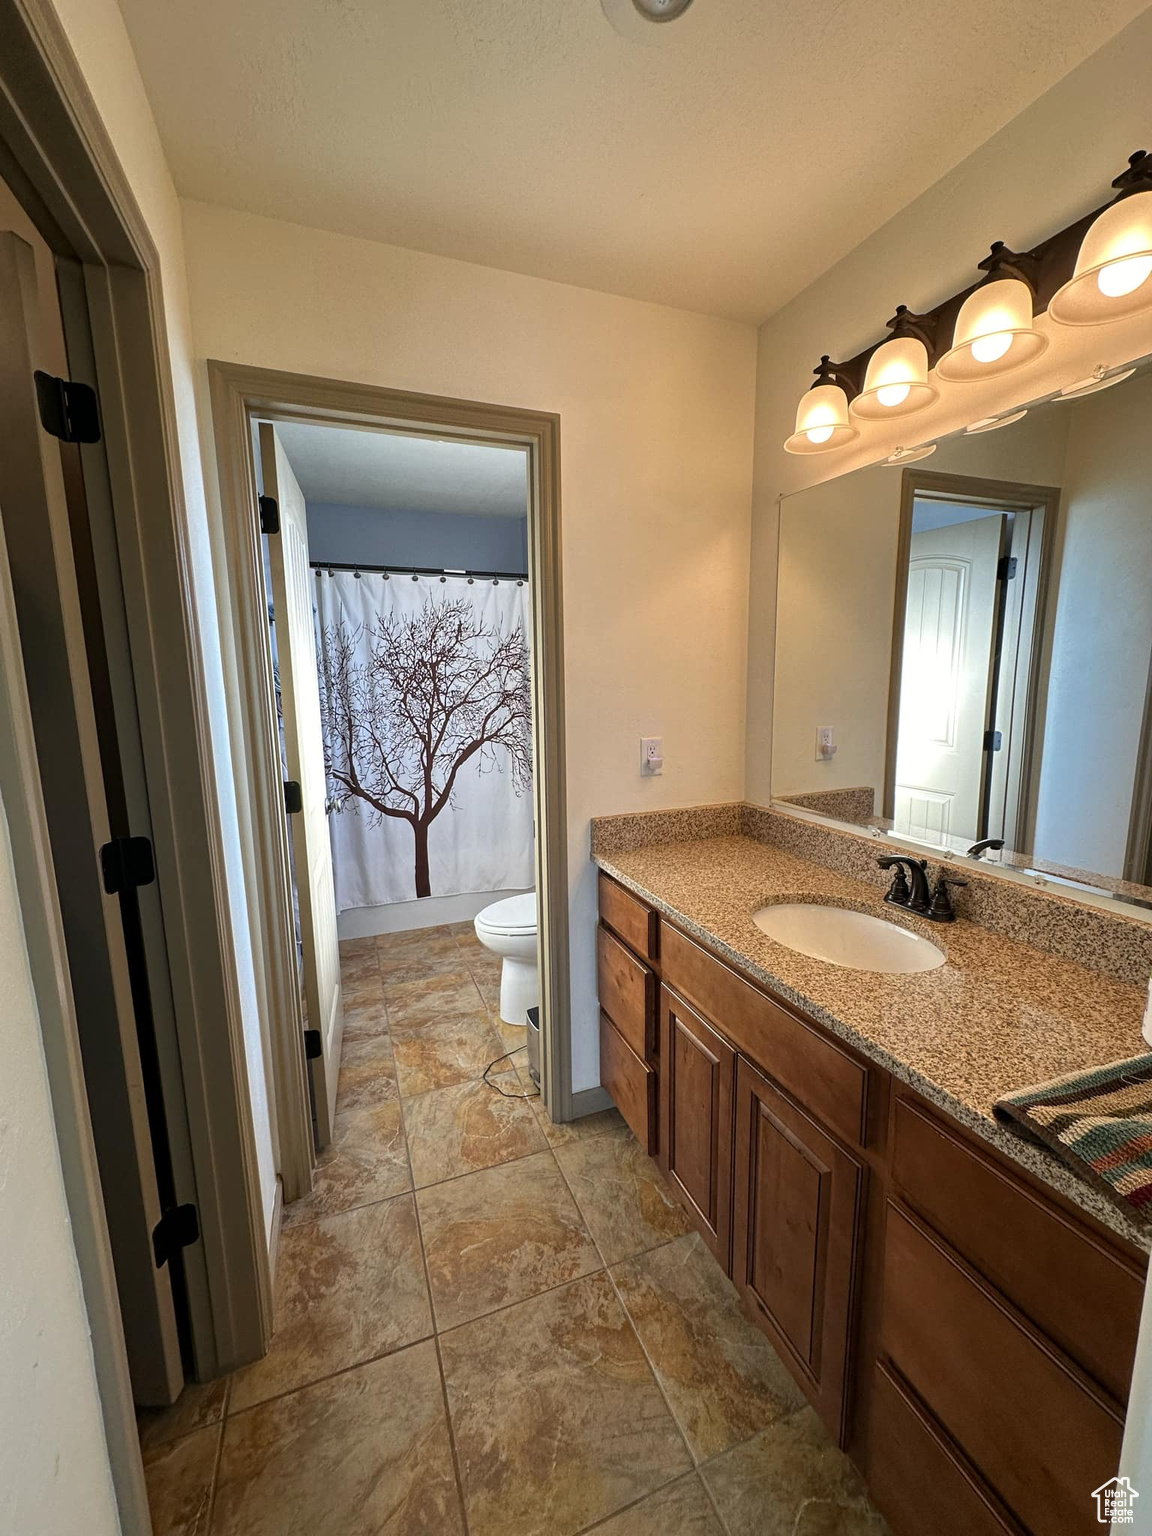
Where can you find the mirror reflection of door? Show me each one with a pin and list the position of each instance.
(950, 643)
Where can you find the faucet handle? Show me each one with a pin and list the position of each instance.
(941, 910)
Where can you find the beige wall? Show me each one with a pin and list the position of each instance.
(54, 1476)
(1050, 165)
(1097, 665)
(656, 413)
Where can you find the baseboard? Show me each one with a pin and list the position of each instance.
(590, 1101)
(404, 916)
(275, 1225)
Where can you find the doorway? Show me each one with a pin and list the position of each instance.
(970, 591)
(403, 704)
(250, 408)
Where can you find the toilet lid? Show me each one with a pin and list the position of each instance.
(515, 914)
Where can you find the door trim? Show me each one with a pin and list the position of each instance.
(241, 394)
(1004, 496)
(61, 164)
(1138, 853)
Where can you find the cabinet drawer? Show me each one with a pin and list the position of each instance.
(635, 923)
(918, 1483)
(631, 1082)
(1029, 1421)
(1061, 1275)
(627, 992)
(825, 1079)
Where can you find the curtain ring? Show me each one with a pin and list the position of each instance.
(386, 576)
(415, 575)
(519, 581)
(495, 581)
(356, 574)
(471, 581)
(443, 579)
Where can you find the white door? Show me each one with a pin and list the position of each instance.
(311, 847)
(65, 748)
(949, 624)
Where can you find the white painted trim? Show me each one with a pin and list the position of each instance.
(430, 912)
(275, 1226)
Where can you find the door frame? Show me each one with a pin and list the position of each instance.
(1003, 496)
(61, 164)
(1138, 853)
(242, 394)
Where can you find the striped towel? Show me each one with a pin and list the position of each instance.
(1099, 1122)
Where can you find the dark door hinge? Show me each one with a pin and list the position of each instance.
(1006, 570)
(126, 862)
(68, 410)
(269, 515)
(313, 1045)
(179, 1227)
(993, 741)
(293, 798)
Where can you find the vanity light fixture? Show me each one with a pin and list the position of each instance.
(992, 423)
(1096, 270)
(910, 455)
(1100, 378)
(994, 330)
(822, 417)
(896, 380)
(1112, 278)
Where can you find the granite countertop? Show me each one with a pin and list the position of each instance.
(997, 1016)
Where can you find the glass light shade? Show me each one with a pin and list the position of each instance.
(1099, 379)
(896, 383)
(994, 333)
(1113, 276)
(821, 421)
(993, 423)
(911, 455)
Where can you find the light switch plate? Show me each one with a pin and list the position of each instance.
(651, 755)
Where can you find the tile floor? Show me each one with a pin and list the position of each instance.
(488, 1324)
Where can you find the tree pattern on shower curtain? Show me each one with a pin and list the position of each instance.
(427, 694)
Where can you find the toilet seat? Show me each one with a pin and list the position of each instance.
(514, 916)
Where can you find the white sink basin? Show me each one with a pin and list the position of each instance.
(843, 937)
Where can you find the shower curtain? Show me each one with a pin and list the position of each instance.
(425, 697)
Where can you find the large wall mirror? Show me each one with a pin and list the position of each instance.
(975, 631)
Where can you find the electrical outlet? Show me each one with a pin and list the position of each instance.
(651, 755)
(825, 743)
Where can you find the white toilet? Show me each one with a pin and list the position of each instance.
(508, 929)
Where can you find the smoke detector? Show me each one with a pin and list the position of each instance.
(661, 10)
(635, 19)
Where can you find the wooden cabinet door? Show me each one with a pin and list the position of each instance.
(796, 1216)
(697, 1071)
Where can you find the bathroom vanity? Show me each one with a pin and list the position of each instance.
(959, 1307)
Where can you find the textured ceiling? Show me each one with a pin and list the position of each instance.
(397, 473)
(721, 169)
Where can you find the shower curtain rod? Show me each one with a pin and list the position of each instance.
(417, 570)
